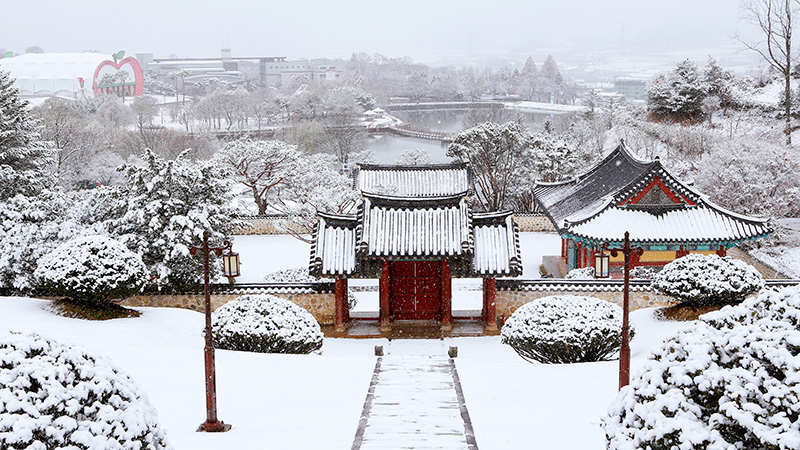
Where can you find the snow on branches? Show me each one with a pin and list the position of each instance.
(730, 381)
(167, 207)
(54, 395)
(708, 279)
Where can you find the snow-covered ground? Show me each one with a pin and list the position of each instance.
(783, 251)
(314, 401)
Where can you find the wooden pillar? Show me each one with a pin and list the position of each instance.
(447, 297)
(340, 294)
(722, 251)
(489, 302)
(384, 294)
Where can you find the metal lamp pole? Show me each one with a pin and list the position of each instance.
(625, 349)
(211, 424)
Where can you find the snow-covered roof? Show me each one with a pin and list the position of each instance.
(413, 181)
(52, 73)
(434, 224)
(496, 241)
(421, 230)
(624, 193)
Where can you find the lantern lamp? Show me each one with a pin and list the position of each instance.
(601, 261)
(230, 265)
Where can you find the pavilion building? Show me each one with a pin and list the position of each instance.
(664, 216)
(415, 232)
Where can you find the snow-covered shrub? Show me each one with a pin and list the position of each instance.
(584, 273)
(643, 272)
(732, 381)
(565, 329)
(54, 395)
(708, 280)
(92, 269)
(265, 324)
(298, 275)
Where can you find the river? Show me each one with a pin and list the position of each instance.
(388, 147)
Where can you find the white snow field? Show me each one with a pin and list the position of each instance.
(315, 401)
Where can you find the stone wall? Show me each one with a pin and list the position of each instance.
(268, 225)
(766, 271)
(320, 305)
(533, 222)
(508, 301)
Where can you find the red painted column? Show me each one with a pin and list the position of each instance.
(490, 296)
(384, 293)
(722, 251)
(340, 301)
(447, 297)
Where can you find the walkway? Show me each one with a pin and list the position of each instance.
(415, 401)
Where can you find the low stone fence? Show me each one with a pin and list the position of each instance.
(268, 225)
(316, 298)
(511, 294)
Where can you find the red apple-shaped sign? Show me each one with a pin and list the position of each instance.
(113, 68)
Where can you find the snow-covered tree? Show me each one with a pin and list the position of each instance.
(31, 227)
(775, 20)
(699, 279)
(731, 381)
(56, 395)
(25, 163)
(494, 152)
(167, 206)
(92, 269)
(265, 324)
(262, 166)
(316, 185)
(720, 83)
(414, 157)
(752, 177)
(678, 95)
(565, 329)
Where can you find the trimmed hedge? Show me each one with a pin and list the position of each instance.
(265, 324)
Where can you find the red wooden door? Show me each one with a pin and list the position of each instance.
(415, 289)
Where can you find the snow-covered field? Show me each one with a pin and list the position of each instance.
(314, 401)
(784, 252)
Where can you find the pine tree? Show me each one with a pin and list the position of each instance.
(550, 70)
(24, 161)
(678, 95)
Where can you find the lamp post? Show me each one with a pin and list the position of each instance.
(212, 424)
(625, 349)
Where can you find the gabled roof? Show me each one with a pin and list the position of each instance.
(413, 181)
(431, 220)
(624, 193)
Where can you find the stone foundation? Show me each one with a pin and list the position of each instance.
(321, 306)
(509, 301)
(533, 222)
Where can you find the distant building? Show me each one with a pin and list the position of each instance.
(74, 75)
(272, 70)
(632, 88)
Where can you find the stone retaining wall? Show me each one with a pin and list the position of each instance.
(321, 305)
(267, 225)
(508, 301)
(533, 222)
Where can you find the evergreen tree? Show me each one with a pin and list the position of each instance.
(167, 207)
(24, 161)
(550, 70)
(719, 83)
(679, 95)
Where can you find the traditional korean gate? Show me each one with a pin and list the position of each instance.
(415, 290)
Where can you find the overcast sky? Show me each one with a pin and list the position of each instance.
(425, 30)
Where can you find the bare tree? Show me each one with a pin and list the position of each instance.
(775, 20)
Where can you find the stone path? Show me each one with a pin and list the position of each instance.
(415, 401)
